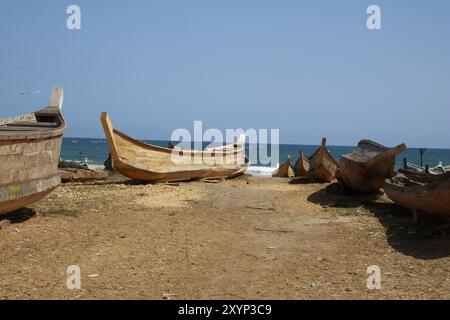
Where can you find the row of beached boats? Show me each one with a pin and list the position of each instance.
(369, 168)
(30, 147)
(363, 170)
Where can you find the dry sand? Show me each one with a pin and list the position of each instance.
(247, 238)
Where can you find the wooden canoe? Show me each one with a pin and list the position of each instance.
(285, 171)
(322, 166)
(141, 161)
(30, 147)
(425, 193)
(366, 167)
(302, 166)
(439, 169)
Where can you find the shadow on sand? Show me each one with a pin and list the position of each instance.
(425, 240)
(18, 216)
(304, 180)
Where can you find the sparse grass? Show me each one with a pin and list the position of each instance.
(61, 212)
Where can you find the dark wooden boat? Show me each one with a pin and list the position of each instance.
(141, 161)
(302, 166)
(285, 171)
(322, 166)
(424, 194)
(30, 147)
(366, 167)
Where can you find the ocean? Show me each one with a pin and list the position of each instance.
(96, 152)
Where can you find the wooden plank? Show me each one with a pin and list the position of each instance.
(27, 160)
(33, 125)
(25, 174)
(23, 146)
(25, 117)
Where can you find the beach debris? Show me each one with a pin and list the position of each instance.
(73, 172)
(93, 275)
(15, 230)
(4, 223)
(273, 230)
(251, 255)
(313, 285)
(174, 184)
(321, 259)
(167, 296)
(212, 180)
(269, 207)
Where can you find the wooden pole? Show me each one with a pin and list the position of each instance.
(422, 152)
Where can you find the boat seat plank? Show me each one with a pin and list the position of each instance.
(20, 128)
(33, 124)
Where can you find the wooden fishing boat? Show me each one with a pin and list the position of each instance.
(30, 147)
(285, 171)
(411, 167)
(322, 166)
(425, 194)
(141, 161)
(366, 167)
(302, 166)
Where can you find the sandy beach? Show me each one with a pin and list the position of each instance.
(246, 238)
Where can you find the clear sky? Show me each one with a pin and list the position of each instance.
(309, 68)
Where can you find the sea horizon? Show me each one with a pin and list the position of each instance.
(96, 151)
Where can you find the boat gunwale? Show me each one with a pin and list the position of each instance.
(377, 157)
(156, 148)
(36, 132)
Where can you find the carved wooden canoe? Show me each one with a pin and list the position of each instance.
(30, 147)
(427, 193)
(366, 167)
(302, 166)
(141, 161)
(285, 171)
(322, 166)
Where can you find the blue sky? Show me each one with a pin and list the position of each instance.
(309, 68)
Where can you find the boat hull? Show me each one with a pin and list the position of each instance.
(302, 167)
(17, 196)
(322, 166)
(30, 148)
(365, 169)
(432, 198)
(285, 171)
(360, 178)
